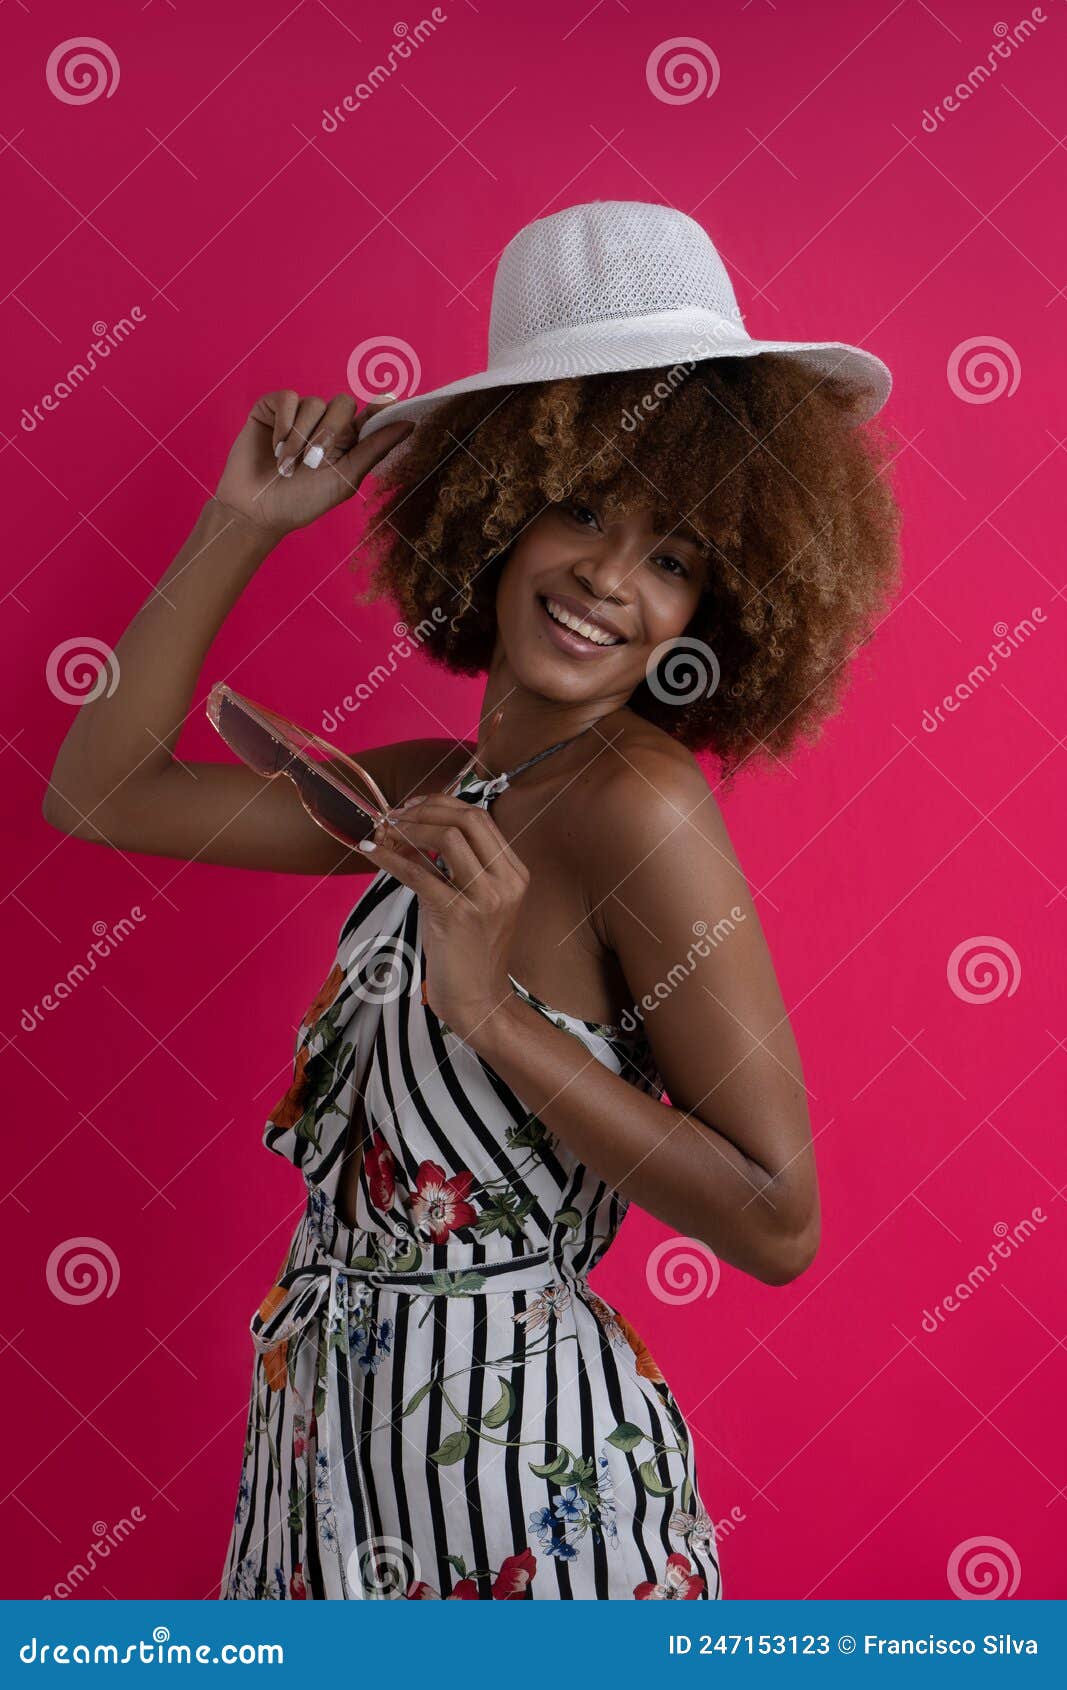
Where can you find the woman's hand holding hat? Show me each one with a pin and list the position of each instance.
(296, 458)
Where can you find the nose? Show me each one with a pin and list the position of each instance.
(608, 572)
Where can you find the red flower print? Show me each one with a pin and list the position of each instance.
(466, 1591)
(514, 1576)
(380, 1173)
(274, 1360)
(294, 1104)
(679, 1583)
(325, 995)
(440, 1203)
(297, 1587)
(644, 1363)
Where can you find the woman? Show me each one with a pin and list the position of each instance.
(441, 1405)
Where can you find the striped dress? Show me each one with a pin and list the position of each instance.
(441, 1405)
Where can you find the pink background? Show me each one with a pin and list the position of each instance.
(858, 1451)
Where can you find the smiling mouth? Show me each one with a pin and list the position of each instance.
(577, 627)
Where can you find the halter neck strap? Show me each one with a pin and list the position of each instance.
(497, 783)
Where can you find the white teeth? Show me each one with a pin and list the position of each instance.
(587, 630)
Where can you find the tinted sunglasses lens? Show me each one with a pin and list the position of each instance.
(251, 741)
(336, 812)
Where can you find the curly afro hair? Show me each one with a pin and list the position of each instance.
(755, 458)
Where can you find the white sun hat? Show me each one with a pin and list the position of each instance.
(622, 285)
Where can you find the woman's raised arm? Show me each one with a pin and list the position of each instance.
(116, 779)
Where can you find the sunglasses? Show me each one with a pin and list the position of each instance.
(341, 797)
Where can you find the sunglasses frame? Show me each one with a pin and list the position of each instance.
(294, 740)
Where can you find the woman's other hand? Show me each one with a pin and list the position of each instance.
(296, 458)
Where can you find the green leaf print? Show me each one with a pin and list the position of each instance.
(652, 1481)
(626, 1435)
(552, 1469)
(567, 1217)
(296, 1506)
(504, 1408)
(453, 1449)
(463, 1284)
(459, 1563)
(687, 1495)
(503, 1213)
(417, 1398)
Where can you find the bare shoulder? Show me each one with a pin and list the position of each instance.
(643, 789)
(651, 847)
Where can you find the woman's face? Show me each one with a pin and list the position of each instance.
(582, 605)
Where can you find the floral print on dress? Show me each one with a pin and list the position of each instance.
(679, 1583)
(425, 1337)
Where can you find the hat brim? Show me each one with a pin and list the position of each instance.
(611, 347)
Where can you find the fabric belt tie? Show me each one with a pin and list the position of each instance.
(299, 1299)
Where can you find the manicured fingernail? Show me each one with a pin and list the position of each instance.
(389, 395)
(314, 456)
(279, 449)
(286, 466)
(367, 845)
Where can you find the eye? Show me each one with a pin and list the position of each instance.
(578, 512)
(677, 567)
